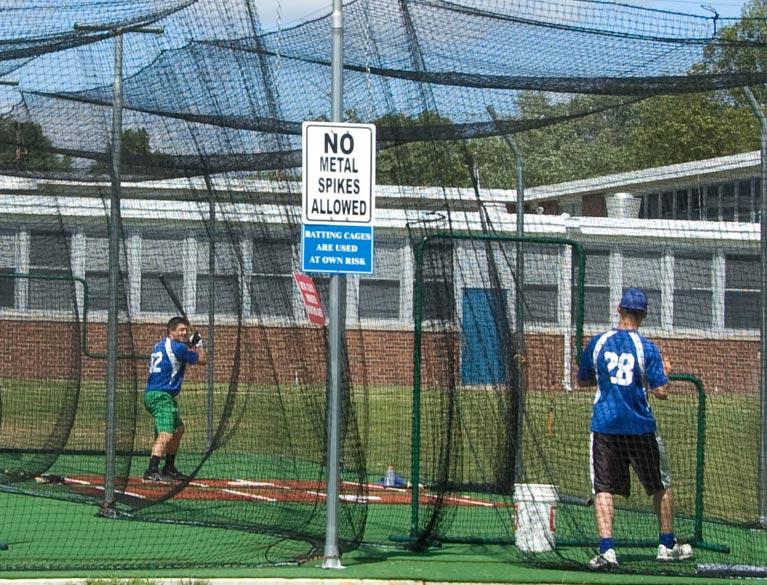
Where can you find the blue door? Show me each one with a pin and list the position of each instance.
(484, 323)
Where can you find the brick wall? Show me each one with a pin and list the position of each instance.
(377, 357)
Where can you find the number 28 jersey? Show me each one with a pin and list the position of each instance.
(167, 365)
(624, 365)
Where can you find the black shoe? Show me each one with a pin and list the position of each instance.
(174, 474)
(154, 476)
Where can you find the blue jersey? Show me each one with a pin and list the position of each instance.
(167, 365)
(623, 364)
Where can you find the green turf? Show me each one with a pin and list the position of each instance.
(66, 533)
(276, 437)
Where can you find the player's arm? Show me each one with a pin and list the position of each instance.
(191, 355)
(586, 375)
(202, 355)
(658, 369)
(197, 346)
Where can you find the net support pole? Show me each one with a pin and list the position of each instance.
(762, 490)
(336, 326)
(108, 505)
(519, 323)
(110, 454)
(211, 309)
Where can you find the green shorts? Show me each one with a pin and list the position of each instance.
(164, 410)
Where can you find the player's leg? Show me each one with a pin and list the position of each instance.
(158, 405)
(609, 475)
(662, 502)
(159, 449)
(648, 457)
(170, 469)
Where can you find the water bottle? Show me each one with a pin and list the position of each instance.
(390, 477)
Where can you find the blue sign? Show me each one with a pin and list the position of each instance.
(337, 249)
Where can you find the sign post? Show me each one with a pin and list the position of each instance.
(337, 212)
(338, 191)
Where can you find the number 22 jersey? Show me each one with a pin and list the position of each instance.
(623, 363)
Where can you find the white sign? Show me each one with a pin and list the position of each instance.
(339, 173)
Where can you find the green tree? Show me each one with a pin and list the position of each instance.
(436, 162)
(134, 147)
(25, 147)
(681, 128)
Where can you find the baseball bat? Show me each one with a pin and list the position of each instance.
(173, 297)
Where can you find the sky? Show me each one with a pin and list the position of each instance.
(294, 11)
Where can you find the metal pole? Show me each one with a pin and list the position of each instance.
(519, 304)
(518, 296)
(762, 495)
(337, 325)
(107, 506)
(114, 275)
(211, 307)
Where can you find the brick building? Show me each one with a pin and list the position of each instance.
(693, 244)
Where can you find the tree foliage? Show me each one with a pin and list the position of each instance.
(136, 155)
(422, 163)
(662, 130)
(25, 147)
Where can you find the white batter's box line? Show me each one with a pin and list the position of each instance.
(252, 483)
(248, 495)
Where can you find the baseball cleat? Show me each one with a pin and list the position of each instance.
(604, 561)
(679, 552)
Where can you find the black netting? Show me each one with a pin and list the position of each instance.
(460, 346)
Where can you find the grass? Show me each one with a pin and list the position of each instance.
(279, 433)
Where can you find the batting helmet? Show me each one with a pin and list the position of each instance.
(634, 299)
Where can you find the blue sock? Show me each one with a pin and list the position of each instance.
(606, 544)
(667, 539)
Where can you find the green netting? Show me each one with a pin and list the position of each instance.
(485, 324)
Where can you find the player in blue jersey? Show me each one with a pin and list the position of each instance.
(167, 366)
(626, 368)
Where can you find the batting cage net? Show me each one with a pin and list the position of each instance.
(630, 138)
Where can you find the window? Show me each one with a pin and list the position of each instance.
(437, 285)
(97, 275)
(667, 205)
(712, 203)
(322, 284)
(745, 201)
(49, 256)
(7, 289)
(652, 206)
(161, 257)
(742, 296)
(225, 281)
(682, 204)
(271, 285)
(540, 302)
(596, 291)
(644, 270)
(696, 203)
(693, 293)
(728, 202)
(379, 294)
(7, 267)
(379, 299)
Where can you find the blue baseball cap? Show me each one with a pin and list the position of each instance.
(634, 299)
